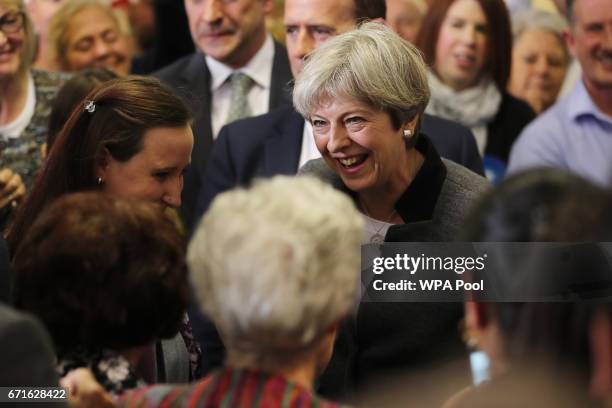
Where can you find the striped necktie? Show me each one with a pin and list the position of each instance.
(241, 84)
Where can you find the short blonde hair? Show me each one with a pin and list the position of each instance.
(371, 64)
(275, 266)
(60, 23)
(28, 52)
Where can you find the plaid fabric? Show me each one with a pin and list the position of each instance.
(227, 388)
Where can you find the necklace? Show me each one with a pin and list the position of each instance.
(377, 238)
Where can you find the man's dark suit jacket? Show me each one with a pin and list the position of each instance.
(269, 145)
(190, 78)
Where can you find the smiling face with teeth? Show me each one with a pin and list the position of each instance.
(590, 40)
(461, 49)
(11, 44)
(361, 145)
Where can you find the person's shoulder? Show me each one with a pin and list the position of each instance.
(49, 81)
(27, 351)
(517, 107)
(172, 72)
(548, 125)
(253, 131)
(261, 123)
(317, 168)
(433, 124)
(464, 181)
(163, 394)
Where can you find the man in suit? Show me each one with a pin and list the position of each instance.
(281, 141)
(237, 71)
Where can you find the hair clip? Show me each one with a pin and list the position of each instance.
(90, 106)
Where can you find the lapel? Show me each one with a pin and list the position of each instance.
(280, 86)
(282, 149)
(196, 79)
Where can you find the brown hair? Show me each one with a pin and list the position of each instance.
(124, 109)
(499, 44)
(102, 272)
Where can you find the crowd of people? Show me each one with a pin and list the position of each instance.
(184, 194)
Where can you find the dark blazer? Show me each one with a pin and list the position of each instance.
(190, 78)
(270, 144)
(513, 115)
(27, 357)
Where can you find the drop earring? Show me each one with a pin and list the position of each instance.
(100, 181)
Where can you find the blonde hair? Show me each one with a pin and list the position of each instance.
(28, 52)
(60, 24)
(372, 65)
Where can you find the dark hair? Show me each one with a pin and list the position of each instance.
(70, 96)
(366, 10)
(103, 273)
(124, 109)
(543, 205)
(534, 206)
(499, 44)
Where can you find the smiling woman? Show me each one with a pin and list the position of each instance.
(364, 93)
(130, 138)
(87, 33)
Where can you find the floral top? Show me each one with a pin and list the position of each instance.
(111, 370)
(23, 154)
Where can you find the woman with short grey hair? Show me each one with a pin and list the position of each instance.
(276, 268)
(540, 58)
(364, 93)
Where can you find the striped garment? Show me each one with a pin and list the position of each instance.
(231, 388)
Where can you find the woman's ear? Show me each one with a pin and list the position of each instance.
(103, 160)
(412, 124)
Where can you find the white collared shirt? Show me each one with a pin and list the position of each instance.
(259, 68)
(309, 149)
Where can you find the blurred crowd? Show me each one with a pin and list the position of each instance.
(185, 186)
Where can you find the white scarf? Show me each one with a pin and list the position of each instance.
(474, 107)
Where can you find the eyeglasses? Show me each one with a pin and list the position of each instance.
(12, 22)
